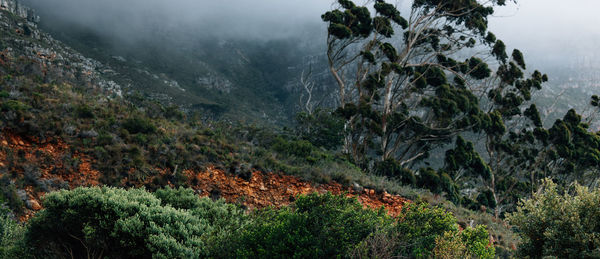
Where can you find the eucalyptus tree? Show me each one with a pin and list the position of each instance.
(515, 143)
(519, 151)
(408, 85)
(401, 87)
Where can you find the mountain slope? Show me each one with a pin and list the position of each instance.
(66, 124)
(233, 79)
(68, 121)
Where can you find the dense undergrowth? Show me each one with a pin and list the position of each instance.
(174, 223)
(132, 138)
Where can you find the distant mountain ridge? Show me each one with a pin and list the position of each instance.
(234, 80)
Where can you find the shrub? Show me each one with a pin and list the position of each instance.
(13, 105)
(420, 226)
(299, 148)
(218, 213)
(381, 244)
(224, 219)
(315, 226)
(322, 129)
(84, 112)
(562, 225)
(11, 236)
(477, 242)
(425, 231)
(8, 194)
(104, 139)
(137, 125)
(450, 246)
(119, 223)
(392, 168)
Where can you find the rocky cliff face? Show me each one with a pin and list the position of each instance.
(50, 60)
(18, 9)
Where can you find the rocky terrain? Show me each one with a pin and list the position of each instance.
(255, 190)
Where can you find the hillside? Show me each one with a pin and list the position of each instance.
(104, 136)
(219, 78)
(400, 137)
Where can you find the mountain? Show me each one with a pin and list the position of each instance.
(79, 109)
(256, 81)
(68, 122)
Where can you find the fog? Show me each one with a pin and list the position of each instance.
(551, 32)
(131, 19)
(548, 31)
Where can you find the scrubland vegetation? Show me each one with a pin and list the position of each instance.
(461, 136)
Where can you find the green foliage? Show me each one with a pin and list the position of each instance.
(84, 112)
(11, 236)
(225, 219)
(469, 243)
(9, 196)
(578, 148)
(322, 129)
(137, 125)
(132, 223)
(477, 242)
(421, 225)
(175, 223)
(408, 96)
(316, 226)
(391, 168)
(438, 182)
(13, 105)
(299, 148)
(464, 156)
(561, 225)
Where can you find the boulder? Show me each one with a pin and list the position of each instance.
(33, 204)
(88, 134)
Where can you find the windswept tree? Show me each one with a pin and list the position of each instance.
(520, 151)
(402, 89)
(408, 85)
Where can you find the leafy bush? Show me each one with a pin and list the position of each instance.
(299, 148)
(322, 129)
(137, 125)
(175, 223)
(315, 226)
(121, 223)
(224, 219)
(426, 232)
(421, 225)
(392, 168)
(11, 235)
(8, 195)
(12, 105)
(477, 242)
(84, 112)
(562, 225)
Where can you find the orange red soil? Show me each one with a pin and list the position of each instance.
(270, 189)
(259, 191)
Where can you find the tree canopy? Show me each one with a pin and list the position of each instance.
(437, 78)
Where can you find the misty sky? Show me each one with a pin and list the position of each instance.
(547, 30)
(551, 30)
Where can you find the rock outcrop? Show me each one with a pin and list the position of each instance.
(18, 9)
(52, 60)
